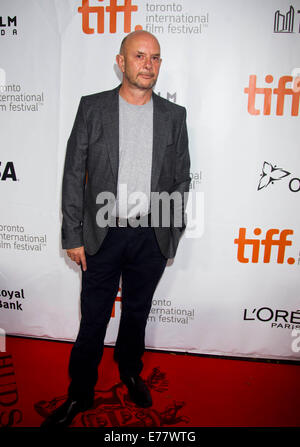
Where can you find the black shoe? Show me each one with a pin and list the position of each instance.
(64, 415)
(138, 391)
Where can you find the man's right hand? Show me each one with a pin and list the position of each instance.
(78, 255)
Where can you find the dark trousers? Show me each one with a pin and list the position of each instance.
(133, 253)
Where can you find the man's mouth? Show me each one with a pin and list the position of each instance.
(146, 75)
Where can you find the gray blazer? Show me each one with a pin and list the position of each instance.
(92, 160)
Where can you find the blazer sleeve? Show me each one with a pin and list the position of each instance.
(182, 175)
(73, 185)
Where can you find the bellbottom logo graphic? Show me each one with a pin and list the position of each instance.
(113, 408)
(269, 242)
(281, 92)
(113, 9)
(8, 172)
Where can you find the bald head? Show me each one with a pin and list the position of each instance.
(139, 61)
(135, 35)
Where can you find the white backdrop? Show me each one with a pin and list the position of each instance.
(221, 295)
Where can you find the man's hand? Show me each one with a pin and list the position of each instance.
(77, 255)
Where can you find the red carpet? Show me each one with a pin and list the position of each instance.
(187, 391)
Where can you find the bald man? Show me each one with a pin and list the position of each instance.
(124, 140)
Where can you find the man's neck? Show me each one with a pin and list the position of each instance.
(135, 96)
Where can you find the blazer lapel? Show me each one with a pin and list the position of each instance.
(160, 134)
(111, 131)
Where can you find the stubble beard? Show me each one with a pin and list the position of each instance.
(139, 85)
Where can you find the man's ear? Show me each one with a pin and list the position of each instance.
(121, 62)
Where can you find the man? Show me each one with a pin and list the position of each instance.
(127, 137)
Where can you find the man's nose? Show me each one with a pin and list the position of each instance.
(148, 63)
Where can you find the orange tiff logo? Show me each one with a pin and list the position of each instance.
(268, 242)
(281, 91)
(112, 9)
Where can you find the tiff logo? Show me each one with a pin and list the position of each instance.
(281, 242)
(112, 9)
(281, 92)
(284, 23)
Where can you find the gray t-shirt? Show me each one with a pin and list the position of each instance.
(135, 159)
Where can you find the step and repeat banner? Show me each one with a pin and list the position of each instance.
(233, 287)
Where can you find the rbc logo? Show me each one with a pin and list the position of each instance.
(112, 9)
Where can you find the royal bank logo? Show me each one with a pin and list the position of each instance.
(12, 299)
(94, 13)
(8, 26)
(284, 21)
(271, 174)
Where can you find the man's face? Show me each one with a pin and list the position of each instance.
(140, 62)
